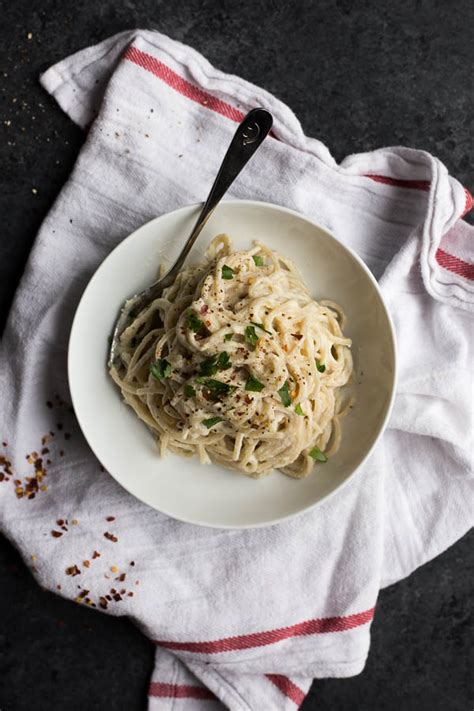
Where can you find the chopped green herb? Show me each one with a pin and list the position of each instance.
(194, 322)
(250, 336)
(316, 454)
(254, 385)
(228, 336)
(189, 391)
(284, 394)
(320, 366)
(227, 272)
(223, 361)
(211, 365)
(260, 325)
(208, 366)
(216, 386)
(160, 369)
(258, 260)
(298, 410)
(212, 421)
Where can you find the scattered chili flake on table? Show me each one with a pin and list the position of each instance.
(56, 534)
(114, 569)
(95, 555)
(49, 404)
(122, 577)
(86, 563)
(110, 518)
(73, 570)
(111, 537)
(132, 562)
(75, 521)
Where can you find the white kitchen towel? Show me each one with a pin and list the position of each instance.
(241, 619)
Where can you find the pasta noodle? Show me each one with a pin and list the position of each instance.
(236, 363)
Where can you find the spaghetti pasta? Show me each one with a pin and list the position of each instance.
(236, 363)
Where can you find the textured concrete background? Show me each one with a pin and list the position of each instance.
(359, 75)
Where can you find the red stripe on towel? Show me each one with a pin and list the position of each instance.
(322, 625)
(454, 264)
(182, 86)
(179, 691)
(413, 184)
(287, 687)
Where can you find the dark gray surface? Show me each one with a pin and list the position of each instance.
(359, 75)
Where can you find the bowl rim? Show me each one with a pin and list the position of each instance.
(355, 473)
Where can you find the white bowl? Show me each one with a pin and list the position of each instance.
(209, 494)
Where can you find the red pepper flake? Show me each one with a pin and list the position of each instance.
(102, 468)
(51, 434)
(56, 534)
(58, 587)
(117, 597)
(298, 336)
(103, 603)
(109, 598)
(95, 555)
(1, 476)
(86, 563)
(110, 518)
(48, 461)
(137, 582)
(132, 562)
(83, 593)
(45, 450)
(130, 594)
(67, 435)
(113, 591)
(60, 522)
(49, 404)
(73, 570)
(204, 309)
(59, 425)
(111, 537)
(5, 444)
(123, 591)
(122, 577)
(17, 482)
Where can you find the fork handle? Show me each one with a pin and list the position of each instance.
(248, 137)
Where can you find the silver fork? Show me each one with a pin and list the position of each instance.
(248, 137)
